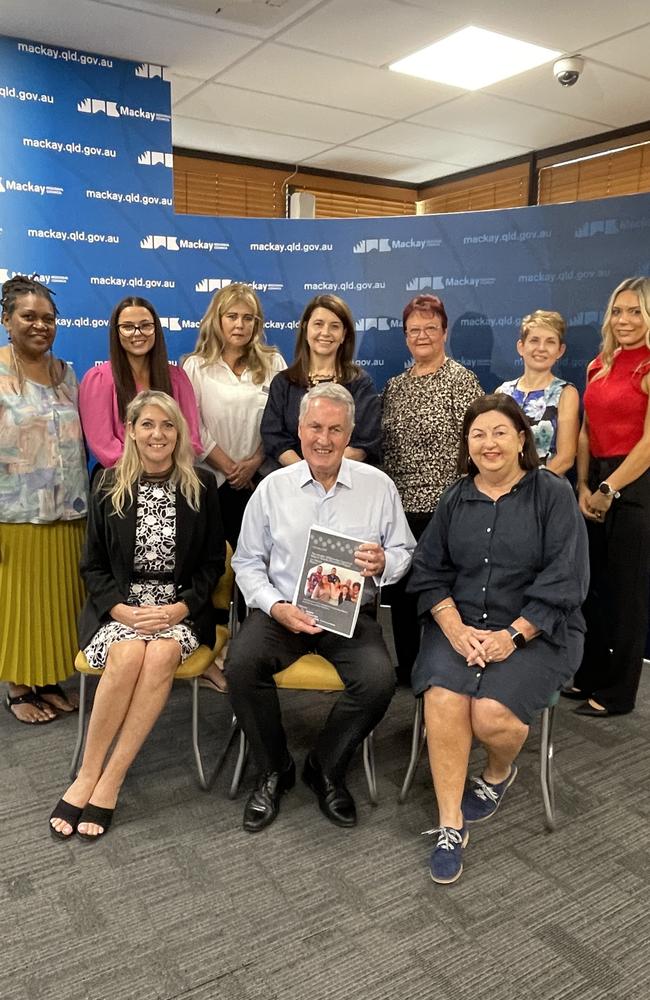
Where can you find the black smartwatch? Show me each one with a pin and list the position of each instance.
(607, 491)
(518, 638)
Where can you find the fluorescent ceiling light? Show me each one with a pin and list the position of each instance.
(473, 58)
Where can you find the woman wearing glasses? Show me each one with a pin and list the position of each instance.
(138, 361)
(423, 410)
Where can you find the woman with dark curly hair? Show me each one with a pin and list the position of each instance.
(324, 353)
(43, 504)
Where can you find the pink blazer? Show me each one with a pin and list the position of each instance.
(100, 420)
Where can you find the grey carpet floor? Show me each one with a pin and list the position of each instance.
(178, 903)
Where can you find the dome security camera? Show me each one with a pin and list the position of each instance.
(568, 71)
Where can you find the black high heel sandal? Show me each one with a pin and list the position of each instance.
(99, 816)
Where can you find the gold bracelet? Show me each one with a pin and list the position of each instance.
(442, 607)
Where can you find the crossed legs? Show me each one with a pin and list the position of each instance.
(452, 721)
(131, 694)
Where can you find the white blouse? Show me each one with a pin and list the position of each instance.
(230, 407)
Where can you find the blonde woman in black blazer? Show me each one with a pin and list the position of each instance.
(154, 552)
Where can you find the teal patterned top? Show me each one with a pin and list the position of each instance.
(43, 474)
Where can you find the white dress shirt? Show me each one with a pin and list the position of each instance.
(363, 503)
(230, 407)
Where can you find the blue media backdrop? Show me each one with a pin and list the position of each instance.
(86, 202)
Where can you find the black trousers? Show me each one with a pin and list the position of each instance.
(262, 647)
(403, 610)
(233, 504)
(616, 609)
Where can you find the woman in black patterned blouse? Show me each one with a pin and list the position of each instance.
(423, 411)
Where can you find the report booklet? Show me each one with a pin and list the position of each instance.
(330, 586)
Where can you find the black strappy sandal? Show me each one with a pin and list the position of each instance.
(60, 693)
(27, 699)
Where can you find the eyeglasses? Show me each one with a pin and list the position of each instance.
(129, 329)
(428, 331)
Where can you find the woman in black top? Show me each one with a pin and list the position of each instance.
(500, 573)
(154, 552)
(324, 353)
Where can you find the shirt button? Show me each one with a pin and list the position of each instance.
(478, 677)
(484, 615)
(486, 559)
(483, 589)
(489, 530)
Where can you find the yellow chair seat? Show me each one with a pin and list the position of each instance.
(309, 673)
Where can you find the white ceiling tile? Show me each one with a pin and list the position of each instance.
(229, 105)
(601, 94)
(626, 52)
(192, 134)
(182, 85)
(508, 121)
(250, 14)
(335, 82)
(375, 32)
(373, 164)
(435, 144)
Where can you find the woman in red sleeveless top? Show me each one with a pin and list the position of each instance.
(614, 496)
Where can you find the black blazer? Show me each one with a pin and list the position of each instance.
(107, 560)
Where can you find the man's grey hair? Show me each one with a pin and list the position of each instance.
(328, 390)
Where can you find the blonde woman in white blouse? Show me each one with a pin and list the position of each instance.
(231, 369)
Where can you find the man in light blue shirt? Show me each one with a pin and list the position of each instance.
(348, 497)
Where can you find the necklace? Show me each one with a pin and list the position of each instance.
(315, 378)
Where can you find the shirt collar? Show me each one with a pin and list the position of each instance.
(470, 492)
(344, 477)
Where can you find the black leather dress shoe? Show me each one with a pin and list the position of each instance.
(264, 802)
(334, 799)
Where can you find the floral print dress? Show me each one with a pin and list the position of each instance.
(153, 566)
(541, 407)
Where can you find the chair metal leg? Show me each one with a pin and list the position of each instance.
(369, 767)
(240, 764)
(81, 727)
(207, 783)
(546, 768)
(418, 738)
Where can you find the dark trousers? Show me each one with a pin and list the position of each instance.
(233, 504)
(616, 609)
(403, 610)
(262, 647)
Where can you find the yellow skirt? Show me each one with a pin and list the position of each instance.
(41, 594)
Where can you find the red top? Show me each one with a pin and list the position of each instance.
(616, 405)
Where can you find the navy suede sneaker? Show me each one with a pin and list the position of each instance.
(446, 861)
(481, 799)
